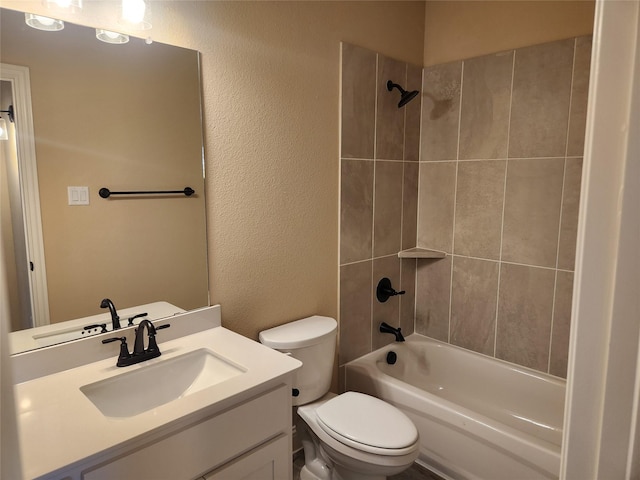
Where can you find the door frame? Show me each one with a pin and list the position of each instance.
(602, 410)
(20, 81)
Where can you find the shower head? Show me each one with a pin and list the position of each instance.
(405, 97)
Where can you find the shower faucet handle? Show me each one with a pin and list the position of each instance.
(384, 290)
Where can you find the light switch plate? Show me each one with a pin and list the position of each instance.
(78, 195)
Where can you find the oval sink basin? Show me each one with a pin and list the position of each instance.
(149, 386)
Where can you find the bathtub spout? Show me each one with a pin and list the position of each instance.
(384, 328)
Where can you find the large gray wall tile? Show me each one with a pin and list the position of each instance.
(570, 209)
(356, 210)
(532, 211)
(524, 315)
(561, 325)
(358, 102)
(486, 100)
(473, 304)
(410, 205)
(355, 311)
(540, 105)
(390, 118)
(436, 204)
(387, 212)
(440, 111)
(389, 311)
(412, 115)
(432, 298)
(479, 201)
(579, 94)
(408, 300)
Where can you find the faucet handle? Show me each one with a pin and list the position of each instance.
(153, 345)
(102, 326)
(384, 290)
(124, 350)
(131, 319)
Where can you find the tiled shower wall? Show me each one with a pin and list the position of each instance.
(378, 196)
(499, 187)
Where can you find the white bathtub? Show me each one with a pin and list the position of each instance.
(478, 417)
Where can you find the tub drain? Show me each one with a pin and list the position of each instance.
(392, 358)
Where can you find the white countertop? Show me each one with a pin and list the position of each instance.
(59, 426)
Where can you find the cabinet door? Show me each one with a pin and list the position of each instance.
(196, 449)
(267, 462)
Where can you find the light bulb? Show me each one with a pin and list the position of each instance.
(136, 12)
(108, 36)
(73, 5)
(4, 135)
(46, 21)
(133, 10)
(43, 23)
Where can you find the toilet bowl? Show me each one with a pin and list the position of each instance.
(361, 436)
(351, 436)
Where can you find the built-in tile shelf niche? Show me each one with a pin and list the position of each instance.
(419, 252)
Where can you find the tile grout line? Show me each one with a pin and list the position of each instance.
(471, 257)
(564, 181)
(404, 153)
(404, 141)
(340, 164)
(504, 203)
(369, 259)
(415, 278)
(455, 195)
(505, 262)
(373, 200)
(530, 157)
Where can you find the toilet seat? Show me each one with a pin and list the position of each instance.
(367, 424)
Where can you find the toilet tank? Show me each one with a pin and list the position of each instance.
(311, 340)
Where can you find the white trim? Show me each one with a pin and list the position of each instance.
(25, 139)
(602, 383)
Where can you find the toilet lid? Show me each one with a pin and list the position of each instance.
(366, 420)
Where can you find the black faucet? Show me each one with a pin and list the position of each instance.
(115, 319)
(384, 328)
(139, 354)
(138, 346)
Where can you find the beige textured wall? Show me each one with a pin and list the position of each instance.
(270, 74)
(456, 30)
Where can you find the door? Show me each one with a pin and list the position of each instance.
(32, 264)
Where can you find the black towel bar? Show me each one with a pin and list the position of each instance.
(106, 193)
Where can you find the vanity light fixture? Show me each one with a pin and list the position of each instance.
(136, 14)
(4, 133)
(108, 36)
(43, 23)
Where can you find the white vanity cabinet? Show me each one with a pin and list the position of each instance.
(216, 427)
(248, 441)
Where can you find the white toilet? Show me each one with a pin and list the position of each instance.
(351, 436)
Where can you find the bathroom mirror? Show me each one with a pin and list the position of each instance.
(126, 117)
